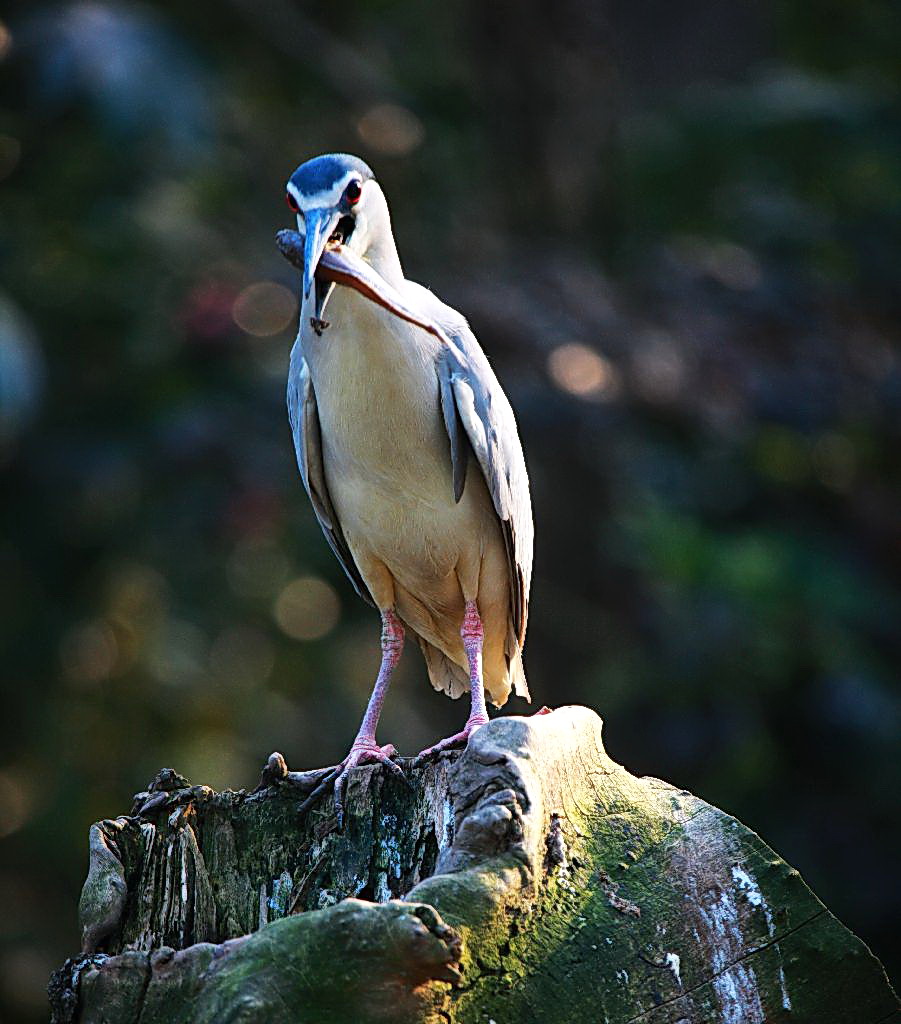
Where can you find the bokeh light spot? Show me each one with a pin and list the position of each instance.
(178, 653)
(264, 308)
(207, 314)
(659, 367)
(391, 130)
(307, 608)
(735, 267)
(16, 801)
(582, 371)
(136, 596)
(21, 371)
(89, 653)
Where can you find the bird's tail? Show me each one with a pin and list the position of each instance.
(517, 675)
(448, 677)
(445, 675)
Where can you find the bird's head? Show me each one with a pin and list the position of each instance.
(336, 198)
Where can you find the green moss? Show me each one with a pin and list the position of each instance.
(354, 962)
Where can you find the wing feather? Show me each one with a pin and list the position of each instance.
(458, 447)
(303, 415)
(490, 427)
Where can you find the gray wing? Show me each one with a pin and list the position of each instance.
(473, 400)
(304, 417)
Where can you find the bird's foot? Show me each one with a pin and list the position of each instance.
(361, 753)
(459, 739)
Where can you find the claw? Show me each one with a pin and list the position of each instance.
(319, 790)
(340, 791)
(338, 777)
(399, 774)
(459, 739)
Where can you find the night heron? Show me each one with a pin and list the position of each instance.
(408, 449)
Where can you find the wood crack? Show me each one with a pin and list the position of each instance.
(725, 970)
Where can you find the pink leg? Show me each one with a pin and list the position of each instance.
(471, 632)
(392, 645)
(365, 749)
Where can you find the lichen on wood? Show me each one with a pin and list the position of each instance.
(529, 878)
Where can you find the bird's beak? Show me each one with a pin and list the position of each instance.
(319, 224)
(340, 265)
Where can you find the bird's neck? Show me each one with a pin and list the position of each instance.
(381, 252)
(382, 256)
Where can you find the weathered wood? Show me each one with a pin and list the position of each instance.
(201, 866)
(540, 881)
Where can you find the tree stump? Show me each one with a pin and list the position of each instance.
(528, 878)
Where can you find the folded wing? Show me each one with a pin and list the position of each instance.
(472, 399)
(304, 417)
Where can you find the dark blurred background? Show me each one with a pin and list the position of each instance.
(675, 230)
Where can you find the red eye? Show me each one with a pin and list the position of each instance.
(353, 192)
(292, 202)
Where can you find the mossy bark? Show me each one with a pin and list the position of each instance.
(529, 878)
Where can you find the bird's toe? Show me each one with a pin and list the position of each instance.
(459, 739)
(359, 756)
(337, 778)
(320, 789)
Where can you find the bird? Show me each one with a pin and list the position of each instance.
(408, 449)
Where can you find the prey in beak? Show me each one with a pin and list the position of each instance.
(324, 229)
(337, 264)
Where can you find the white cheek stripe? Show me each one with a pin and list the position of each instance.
(328, 199)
